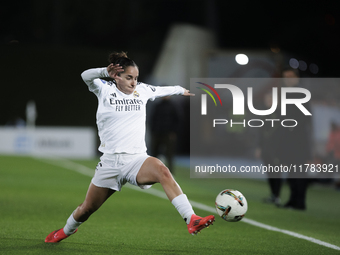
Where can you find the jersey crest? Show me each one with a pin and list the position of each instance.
(135, 93)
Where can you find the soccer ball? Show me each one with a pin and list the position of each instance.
(231, 205)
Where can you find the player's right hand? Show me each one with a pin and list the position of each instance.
(114, 70)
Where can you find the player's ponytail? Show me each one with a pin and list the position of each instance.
(122, 59)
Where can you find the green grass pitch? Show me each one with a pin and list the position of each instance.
(37, 197)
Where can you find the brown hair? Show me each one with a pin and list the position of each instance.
(122, 59)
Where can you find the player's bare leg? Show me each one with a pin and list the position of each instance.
(154, 171)
(94, 199)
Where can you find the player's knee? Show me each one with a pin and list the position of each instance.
(164, 173)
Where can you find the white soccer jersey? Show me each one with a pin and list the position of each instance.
(120, 117)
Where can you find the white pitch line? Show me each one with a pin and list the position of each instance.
(67, 164)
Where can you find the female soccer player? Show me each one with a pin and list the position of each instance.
(121, 118)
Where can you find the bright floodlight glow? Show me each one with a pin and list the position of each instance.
(294, 63)
(242, 59)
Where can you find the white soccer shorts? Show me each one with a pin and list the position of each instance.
(114, 170)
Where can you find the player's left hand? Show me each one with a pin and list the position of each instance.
(187, 93)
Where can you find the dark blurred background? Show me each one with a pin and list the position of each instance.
(45, 45)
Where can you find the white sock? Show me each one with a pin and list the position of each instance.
(184, 207)
(71, 225)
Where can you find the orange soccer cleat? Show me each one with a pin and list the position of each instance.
(56, 236)
(198, 223)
